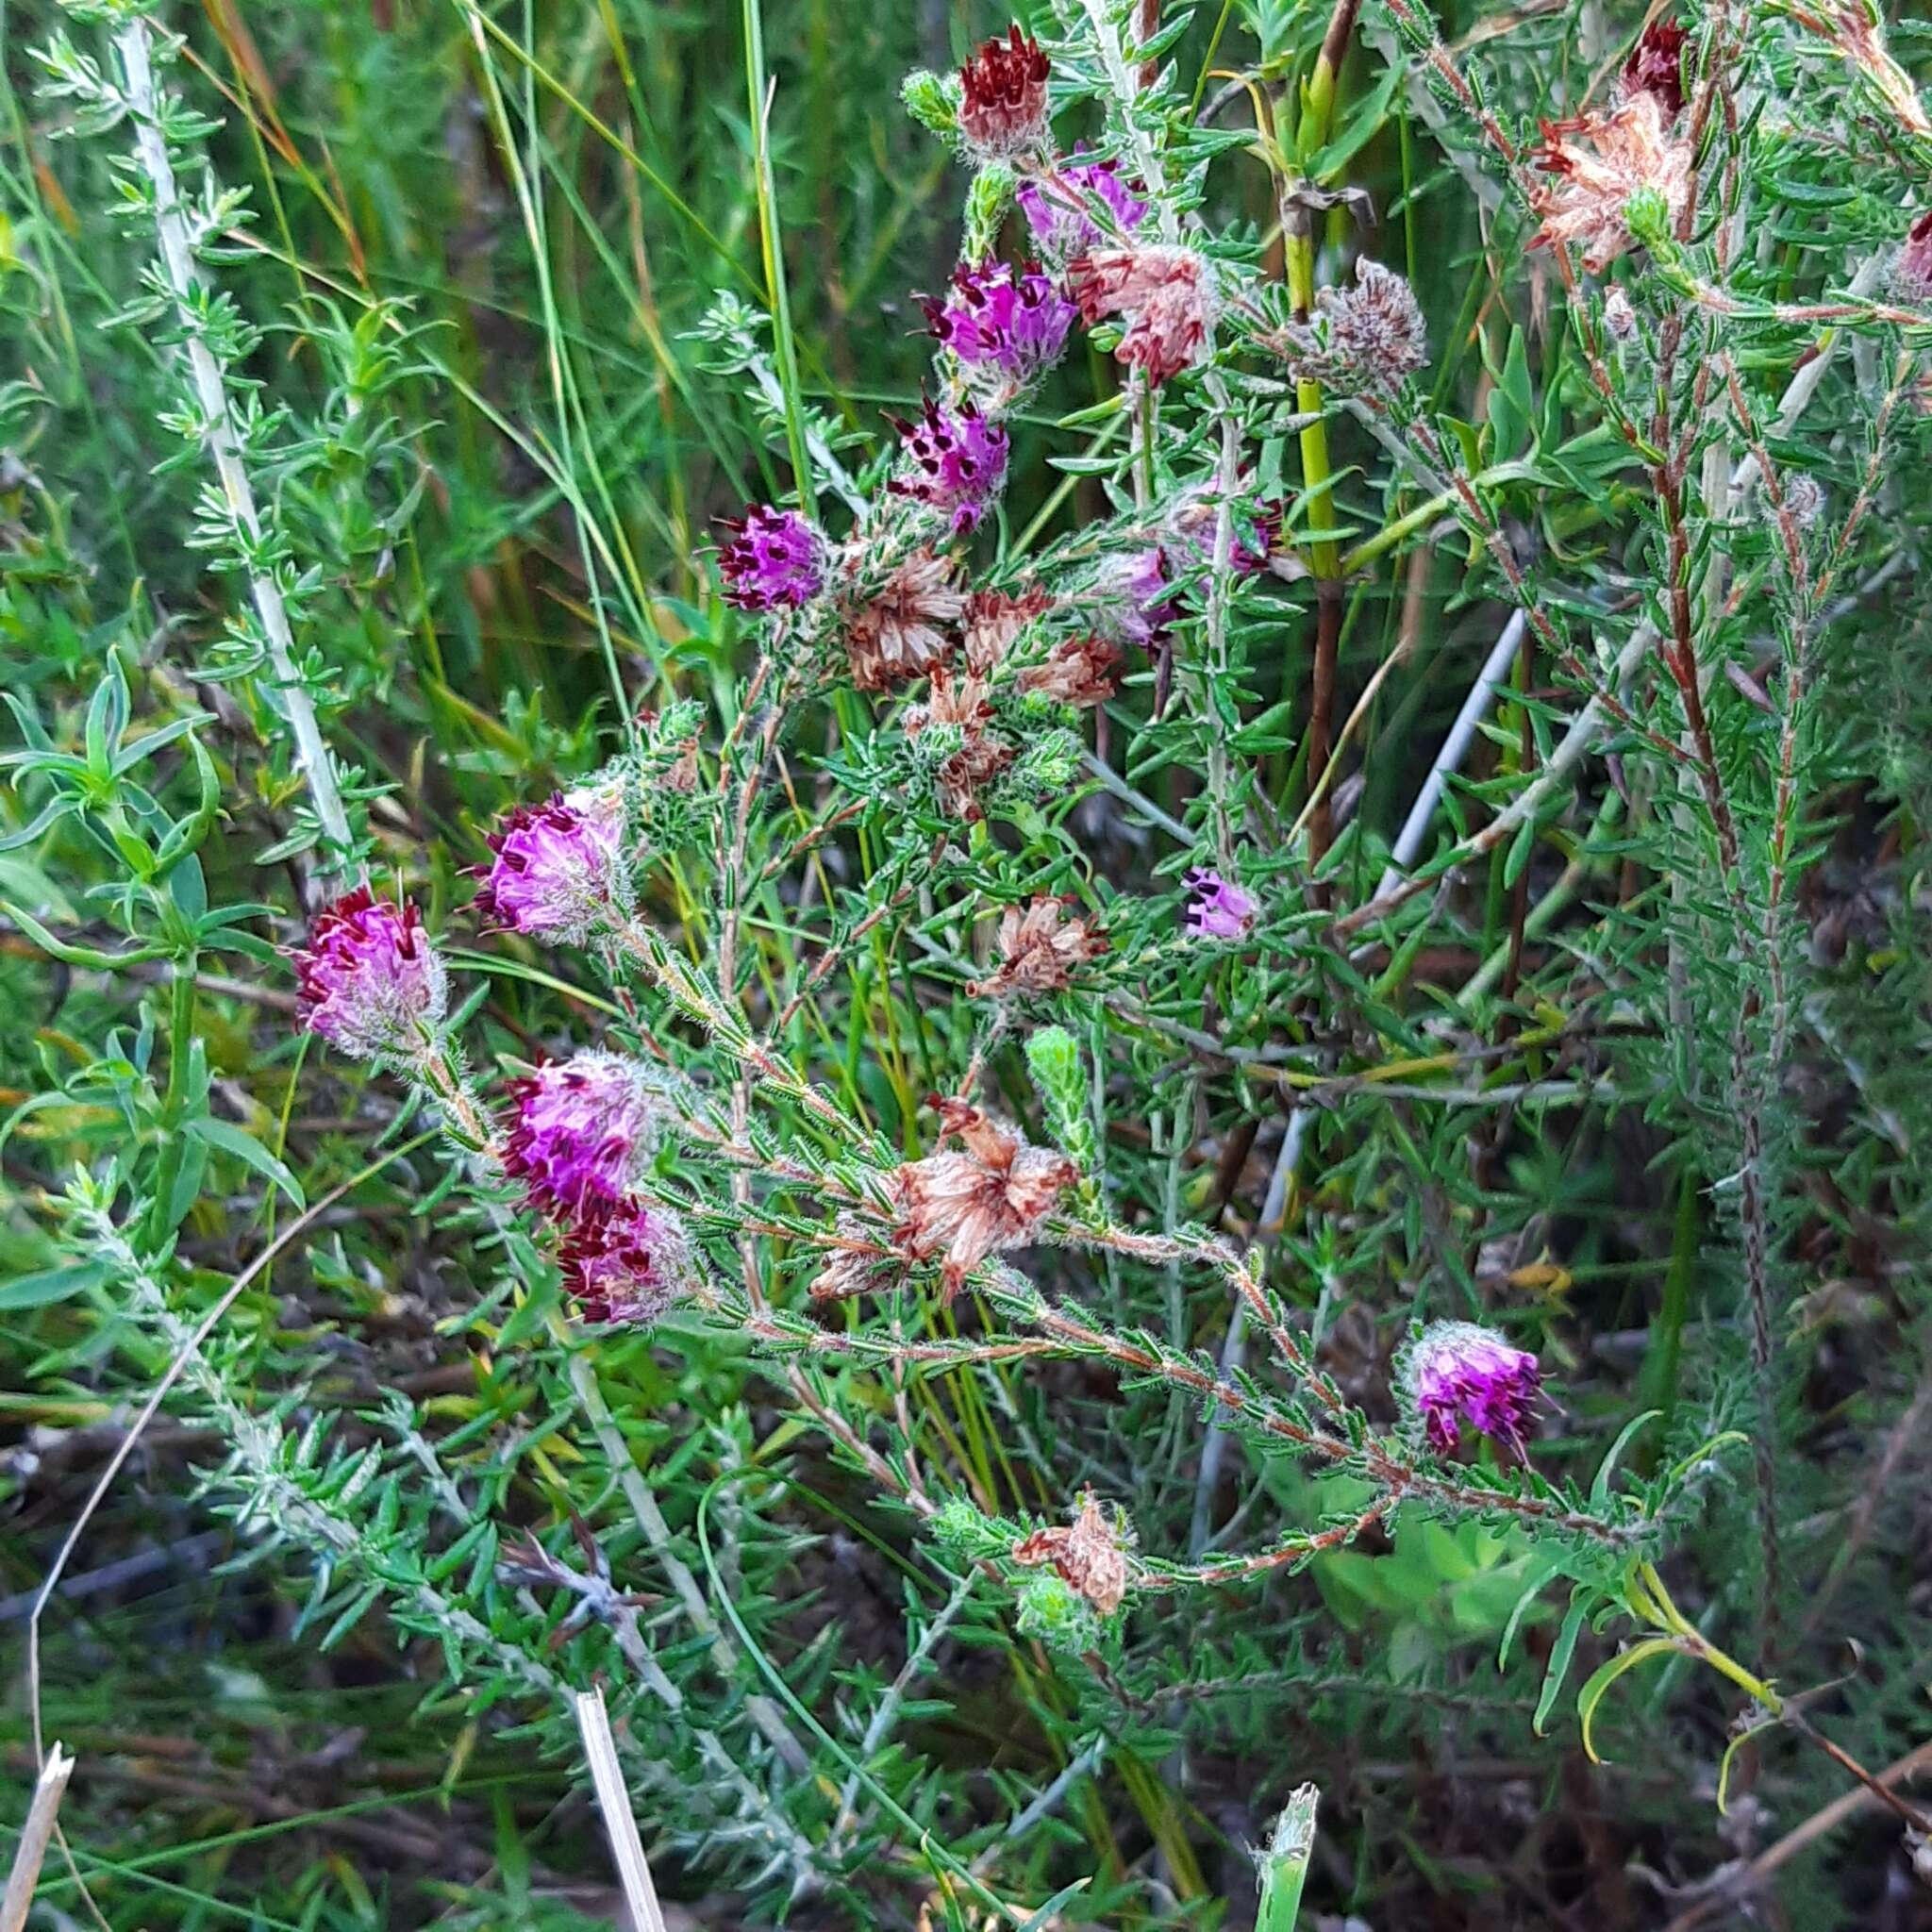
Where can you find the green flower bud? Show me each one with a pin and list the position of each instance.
(986, 202)
(1052, 1610)
(931, 101)
(1647, 216)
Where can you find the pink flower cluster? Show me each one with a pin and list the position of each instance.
(1012, 319)
(369, 981)
(1459, 1372)
(558, 869)
(1217, 907)
(1056, 207)
(956, 459)
(775, 559)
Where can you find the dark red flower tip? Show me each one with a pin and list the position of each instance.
(1656, 65)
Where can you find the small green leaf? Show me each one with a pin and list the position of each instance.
(229, 1138)
(1592, 1693)
(46, 1285)
(1561, 1652)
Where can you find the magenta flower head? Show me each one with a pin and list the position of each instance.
(1133, 601)
(558, 869)
(1217, 907)
(1458, 1372)
(625, 1261)
(1056, 207)
(584, 1127)
(370, 982)
(1011, 319)
(956, 459)
(775, 557)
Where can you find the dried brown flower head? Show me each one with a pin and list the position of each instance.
(1598, 162)
(899, 633)
(1367, 339)
(1003, 110)
(991, 1196)
(1079, 671)
(1039, 949)
(1091, 1554)
(980, 758)
(855, 1261)
(1165, 295)
(994, 620)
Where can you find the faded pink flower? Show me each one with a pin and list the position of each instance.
(961, 704)
(1599, 162)
(1367, 339)
(899, 633)
(583, 1128)
(1132, 600)
(369, 981)
(1458, 1372)
(1041, 949)
(1079, 671)
(1217, 907)
(1003, 110)
(1164, 294)
(968, 1205)
(1089, 1554)
(993, 624)
(625, 1261)
(558, 869)
(1055, 206)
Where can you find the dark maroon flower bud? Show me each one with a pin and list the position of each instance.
(1003, 112)
(1656, 65)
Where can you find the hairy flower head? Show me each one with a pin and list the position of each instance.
(999, 317)
(583, 1130)
(955, 460)
(1217, 907)
(558, 869)
(1057, 206)
(625, 1261)
(775, 558)
(368, 979)
(1364, 340)
(1003, 105)
(1456, 1373)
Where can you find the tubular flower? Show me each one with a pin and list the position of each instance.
(1089, 1554)
(1911, 273)
(1163, 293)
(1055, 205)
(993, 624)
(899, 634)
(1599, 162)
(1003, 110)
(625, 1261)
(1458, 1372)
(1217, 907)
(1010, 319)
(1656, 66)
(966, 1206)
(558, 869)
(957, 460)
(1364, 340)
(971, 756)
(369, 981)
(1081, 671)
(583, 1128)
(1133, 601)
(775, 557)
(1041, 949)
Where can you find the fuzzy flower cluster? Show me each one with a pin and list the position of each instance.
(1163, 296)
(1013, 320)
(776, 559)
(956, 461)
(1002, 98)
(557, 871)
(1059, 207)
(369, 981)
(1460, 1373)
(1365, 340)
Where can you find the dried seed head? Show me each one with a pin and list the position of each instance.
(369, 981)
(994, 622)
(1003, 109)
(968, 755)
(1078, 671)
(1365, 340)
(1089, 1554)
(1041, 949)
(900, 632)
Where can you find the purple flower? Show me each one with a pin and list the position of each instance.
(557, 871)
(1012, 318)
(1056, 210)
(582, 1129)
(625, 1261)
(1217, 909)
(1131, 598)
(958, 460)
(1911, 272)
(1458, 1372)
(776, 557)
(370, 982)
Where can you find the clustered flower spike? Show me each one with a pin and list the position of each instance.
(1055, 205)
(968, 1205)
(1911, 272)
(1656, 65)
(1598, 164)
(625, 1261)
(1010, 319)
(956, 459)
(1164, 294)
(1217, 907)
(1459, 1372)
(369, 981)
(583, 1128)
(775, 558)
(1368, 340)
(1041, 949)
(556, 870)
(1090, 1556)
(1002, 109)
